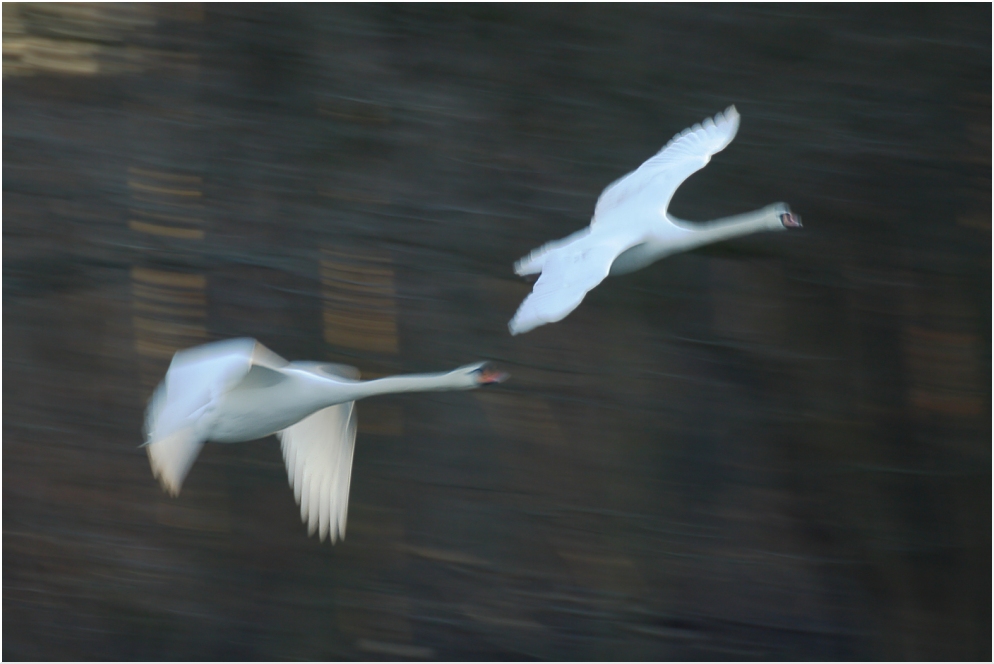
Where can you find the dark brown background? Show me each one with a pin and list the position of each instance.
(774, 448)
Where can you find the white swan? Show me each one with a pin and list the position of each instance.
(238, 390)
(631, 227)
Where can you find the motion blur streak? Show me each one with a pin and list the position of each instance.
(774, 448)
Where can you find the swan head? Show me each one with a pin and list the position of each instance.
(480, 374)
(787, 218)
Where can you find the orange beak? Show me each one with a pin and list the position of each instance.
(491, 376)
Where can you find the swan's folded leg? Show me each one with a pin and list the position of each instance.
(534, 262)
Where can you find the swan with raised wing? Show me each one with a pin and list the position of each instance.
(631, 227)
(238, 390)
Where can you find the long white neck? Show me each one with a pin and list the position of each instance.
(453, 380)
(765, 219)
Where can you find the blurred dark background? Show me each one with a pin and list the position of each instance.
(774, 448)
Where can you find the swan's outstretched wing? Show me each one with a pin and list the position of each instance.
(186, 397)
(660, 176)
(172, 456)
(568, 273)
(318, 455)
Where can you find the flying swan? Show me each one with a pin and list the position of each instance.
(238, 390)
(631, 227)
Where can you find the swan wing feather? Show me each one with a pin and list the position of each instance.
(661, 175)
(183, 402)
(172, 456)
(318, 455)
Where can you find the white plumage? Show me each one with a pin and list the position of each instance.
(238, 390)
(318, 455)
(631, 227)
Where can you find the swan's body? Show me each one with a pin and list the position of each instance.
(238, 390)
(631, 227)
